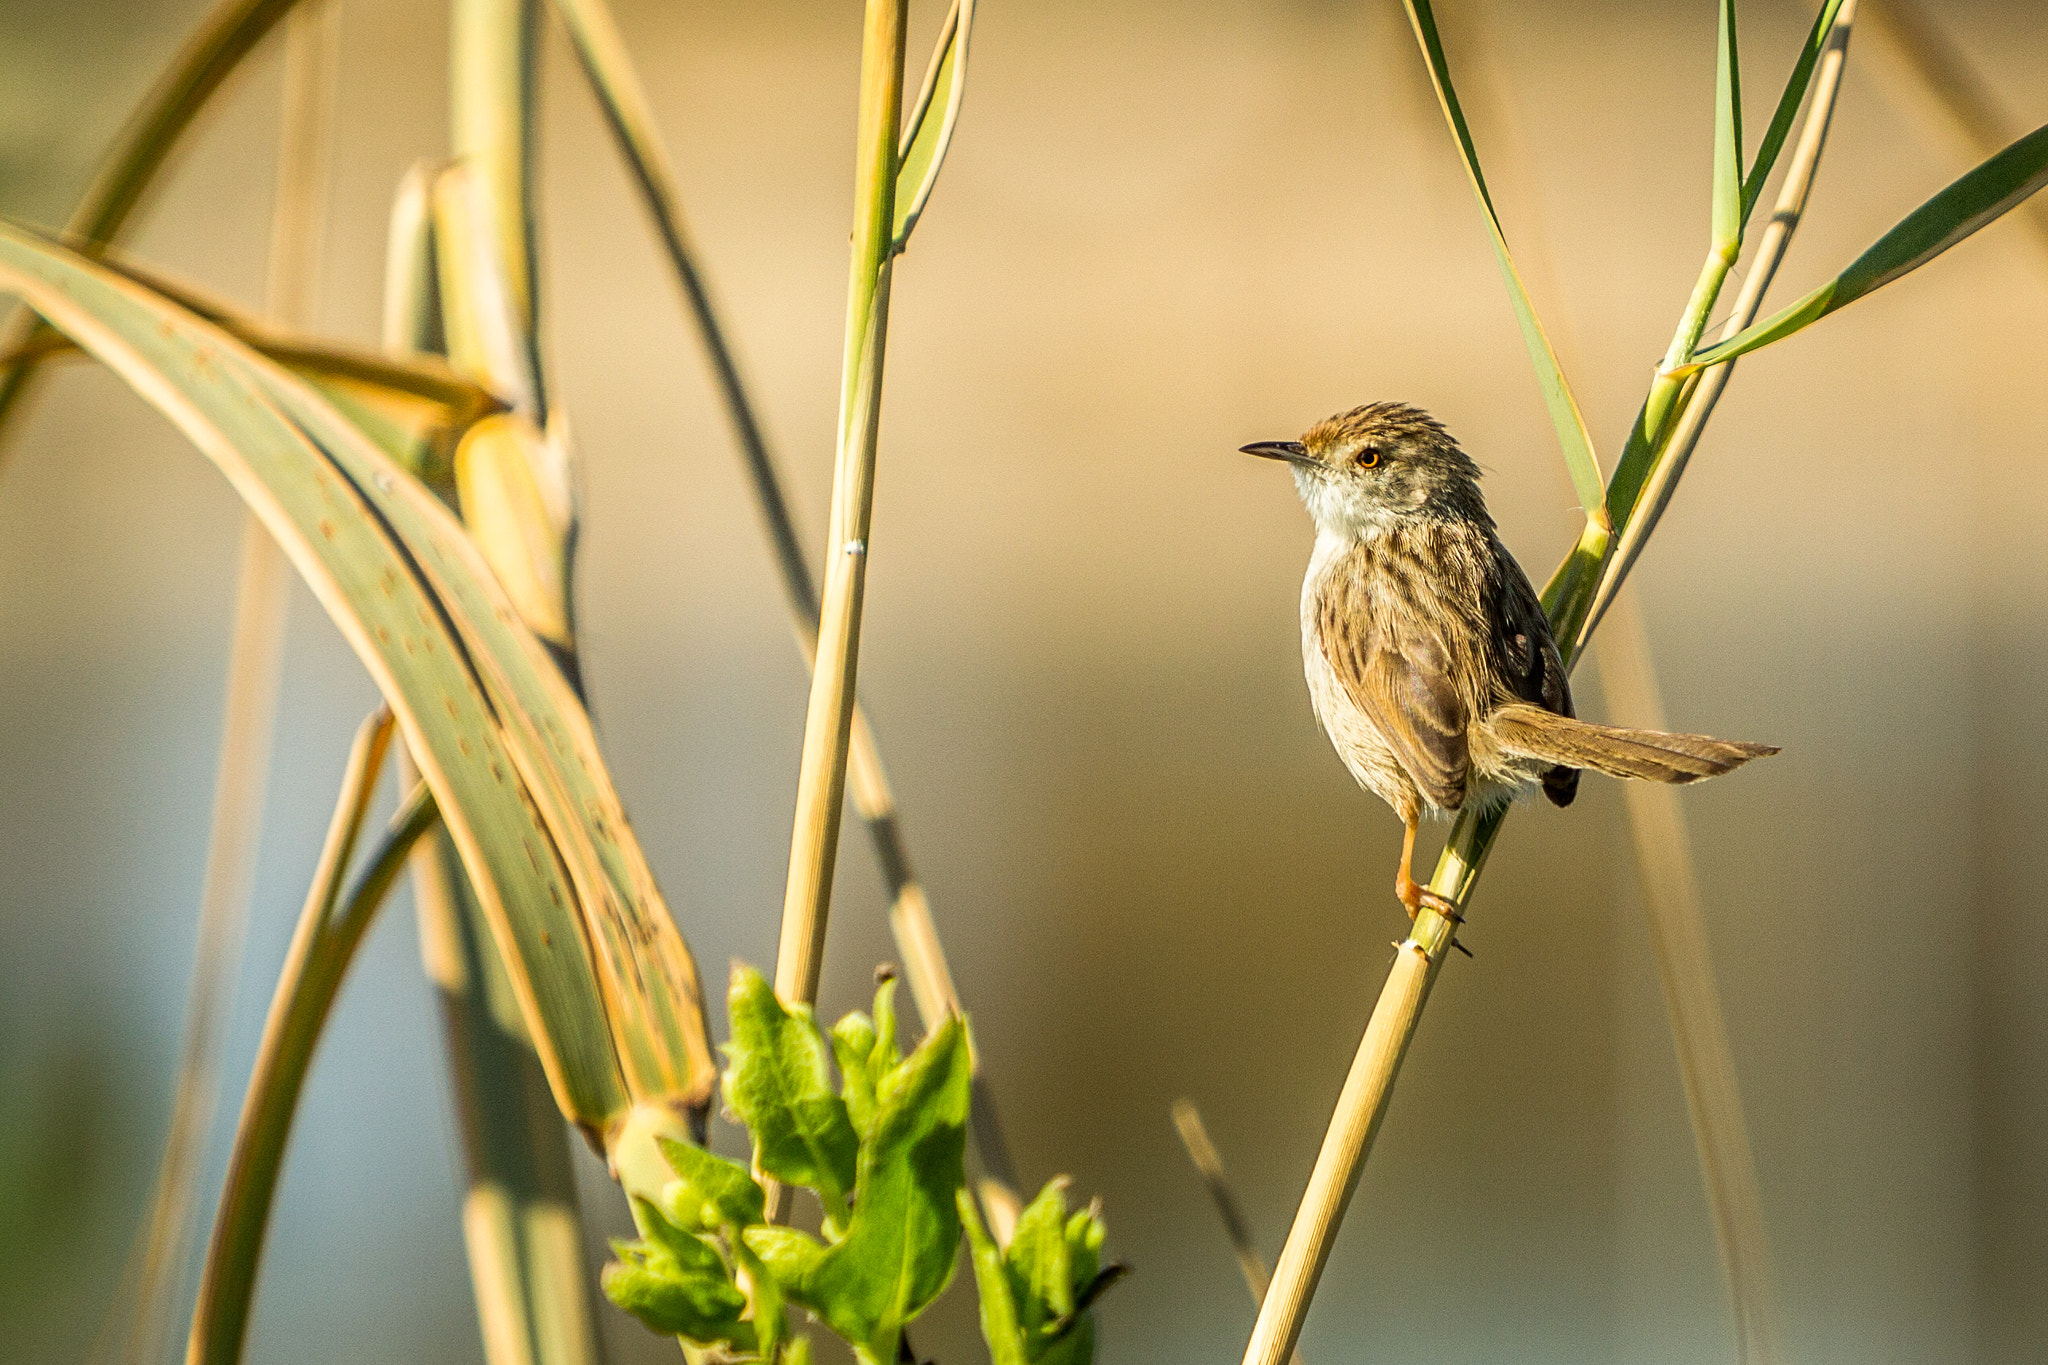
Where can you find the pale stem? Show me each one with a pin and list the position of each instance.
(828, 722)
(821, 782)
(255, 667)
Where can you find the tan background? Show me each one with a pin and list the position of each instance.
(1167, 229)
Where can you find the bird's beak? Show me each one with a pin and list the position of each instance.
(1294, 452)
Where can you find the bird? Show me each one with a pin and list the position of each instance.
(1430, 662)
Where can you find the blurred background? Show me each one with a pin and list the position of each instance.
(1166, 229)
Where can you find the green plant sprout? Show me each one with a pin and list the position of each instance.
(884, 1155)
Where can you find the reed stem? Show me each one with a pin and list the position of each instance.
(821, 782)
(1569, 600)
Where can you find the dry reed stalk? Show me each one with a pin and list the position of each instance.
(613, 80)
(821, 782)
(255, 669)
(828, 721)
(1368, 1085)
(1657, 819)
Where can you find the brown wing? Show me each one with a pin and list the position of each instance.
(1399, 674)
(1529, 659)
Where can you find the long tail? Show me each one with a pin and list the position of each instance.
(1535, 733)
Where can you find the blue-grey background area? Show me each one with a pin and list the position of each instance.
(1166, 229)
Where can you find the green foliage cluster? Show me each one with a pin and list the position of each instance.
(885, 1156)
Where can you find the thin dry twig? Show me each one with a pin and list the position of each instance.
(1209, 1163)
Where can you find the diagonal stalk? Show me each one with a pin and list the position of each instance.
(1209, 1165)
(617, 87)
(255, 670)
(1926, 69)
(1568, 600)
(330, 929)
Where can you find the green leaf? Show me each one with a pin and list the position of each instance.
(778, 1084)
(695, 1300)
(853, 1041)
(710, 1192)
(866, 1052)
(771, 1318)
(1978, 198)
(901, 1243)
(1728, 214)
(925, 137)
(1051, 1260)
(1039, 1260)
(786, 1254)
(1788, 106)
(1565, 417)
(999, 1326)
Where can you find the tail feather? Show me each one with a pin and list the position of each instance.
(1535, 733)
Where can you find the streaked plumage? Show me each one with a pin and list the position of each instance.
(1429, 660)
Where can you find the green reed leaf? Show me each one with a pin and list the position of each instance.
(929, 131)
(1565, 418)
(1978, 198)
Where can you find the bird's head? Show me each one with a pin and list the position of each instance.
(1374, 468)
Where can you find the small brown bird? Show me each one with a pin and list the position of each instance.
(1429, 659)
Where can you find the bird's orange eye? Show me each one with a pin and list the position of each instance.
(1368, 457)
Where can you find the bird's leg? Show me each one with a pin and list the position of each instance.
(1411, 892)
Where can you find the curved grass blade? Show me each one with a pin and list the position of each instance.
(331, 926)
(1972, 202)
(598, 967)
(139, 149)
(1572, 437)
(521, 1220)
(925, 139)
(1780, 126)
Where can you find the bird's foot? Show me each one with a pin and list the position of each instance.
(1414, 895)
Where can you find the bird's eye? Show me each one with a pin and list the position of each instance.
(1368, 457)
